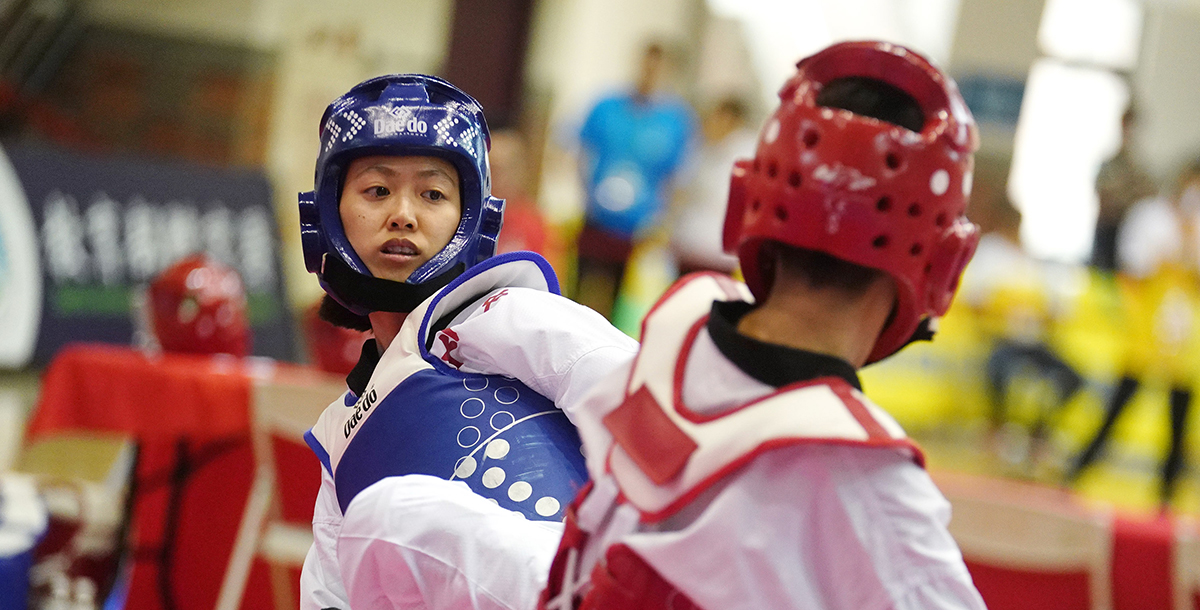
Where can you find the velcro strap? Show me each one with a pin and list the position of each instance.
(647, 434)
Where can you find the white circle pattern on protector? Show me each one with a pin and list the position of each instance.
(939, 182)
(497, 449)
(507, 395)
(493, 477)
(468, 433)
(547, 506)
(520, 491)
(470, 410)
(502, 415)
(467, 384)
(771, 133)
(465, 467)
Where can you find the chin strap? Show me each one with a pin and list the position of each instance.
(925, 331)
(377, 294)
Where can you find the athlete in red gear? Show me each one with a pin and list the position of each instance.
(741, 466)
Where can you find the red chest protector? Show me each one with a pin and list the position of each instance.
(664, 454)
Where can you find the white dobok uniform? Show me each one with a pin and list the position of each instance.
(738, 494)
(469, 401)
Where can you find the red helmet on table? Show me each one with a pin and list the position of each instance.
(198, 306)
(862, 189)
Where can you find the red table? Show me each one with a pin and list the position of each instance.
(183, 410)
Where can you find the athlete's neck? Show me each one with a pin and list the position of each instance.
(385, 325)
(826, 320)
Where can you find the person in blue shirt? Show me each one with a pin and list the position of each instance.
(632, 144)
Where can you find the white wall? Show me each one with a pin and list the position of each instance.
(783, 31)
(1167, 86)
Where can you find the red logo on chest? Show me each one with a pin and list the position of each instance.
(449, 340)
(487, 304)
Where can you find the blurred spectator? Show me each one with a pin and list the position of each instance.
(331, 348)
(700, 213)
(524, 226)
(632, 145)
(1161, 231)
(198, 306)
(1120, 184)
(1014, 302)
(1159, 254)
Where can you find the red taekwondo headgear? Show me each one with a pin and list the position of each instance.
(861, 189)
(198, 306)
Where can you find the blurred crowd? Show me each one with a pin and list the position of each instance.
(1054, 354)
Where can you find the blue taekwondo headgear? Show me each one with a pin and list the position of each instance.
(399, 114)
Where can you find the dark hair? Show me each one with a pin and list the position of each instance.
(820, 270)
(333, 312)
(873, 98)
(1190, 172)
(734, 106)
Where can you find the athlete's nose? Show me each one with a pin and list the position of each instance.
(402, 215)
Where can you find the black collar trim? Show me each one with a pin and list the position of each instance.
(774, 365)
(360, 375)
(378, 294)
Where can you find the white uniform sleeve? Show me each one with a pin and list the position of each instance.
(603, 398)
(320, 583)
(555, 346)
(422, 542)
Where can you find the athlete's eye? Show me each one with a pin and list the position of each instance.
(378, 192)
(434, 195)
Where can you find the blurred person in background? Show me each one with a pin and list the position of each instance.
(1013, 299)
(632, 145)
(1120, 183)
(740, 465)
(525, 228)
(1159, 256)
(472, 357)
(704, 193)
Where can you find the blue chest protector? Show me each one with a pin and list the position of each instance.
(505, 441)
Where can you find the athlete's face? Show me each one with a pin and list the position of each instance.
(399, 211)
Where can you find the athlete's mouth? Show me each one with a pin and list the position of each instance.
(400, 247)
